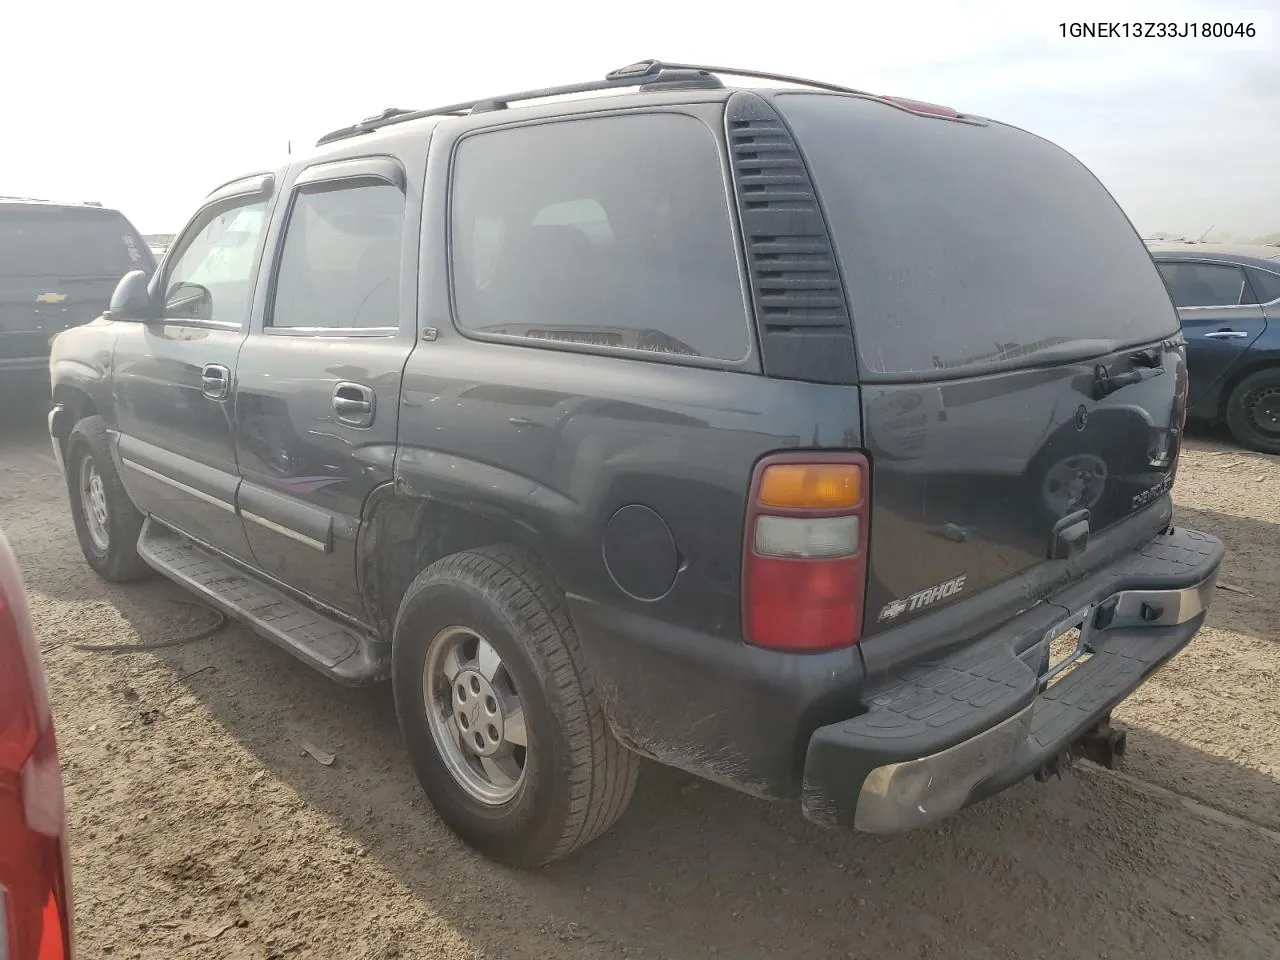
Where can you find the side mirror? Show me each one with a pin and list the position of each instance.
(131, 299)
(188, 301)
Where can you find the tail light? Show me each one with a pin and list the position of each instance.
(804, 557)
(1186, 401)
(35, 889)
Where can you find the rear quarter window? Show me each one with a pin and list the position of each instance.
(966, 246)
(610, 232)
(1266, 284)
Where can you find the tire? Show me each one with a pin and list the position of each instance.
(108, 528)
(1253, 411)
(575, 779)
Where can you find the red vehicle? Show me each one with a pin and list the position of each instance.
(35, 874)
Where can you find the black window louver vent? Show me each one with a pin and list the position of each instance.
(801, 312)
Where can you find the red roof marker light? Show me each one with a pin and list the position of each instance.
(919, 106)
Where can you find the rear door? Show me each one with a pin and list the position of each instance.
(1018, 353)
(318, 383)
(1220, 317)
(58, 267)
(173, 376)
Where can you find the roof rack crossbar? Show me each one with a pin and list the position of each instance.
(655, 73)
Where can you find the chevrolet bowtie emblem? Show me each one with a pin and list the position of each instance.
(51, 298)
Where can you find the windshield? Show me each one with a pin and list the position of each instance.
(967, 247)
(52, 241)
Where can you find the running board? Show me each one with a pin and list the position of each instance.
(335, 649)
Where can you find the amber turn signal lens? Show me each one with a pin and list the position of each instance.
(811, 486)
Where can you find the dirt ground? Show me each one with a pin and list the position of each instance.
(201, 829)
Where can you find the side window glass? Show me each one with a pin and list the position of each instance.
(1205, 284)
(612, 231)
(340, 265)
(212, 276)
(1265, 284)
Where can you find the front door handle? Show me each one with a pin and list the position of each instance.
(354, 404)
(215, 380)
(1226, 335)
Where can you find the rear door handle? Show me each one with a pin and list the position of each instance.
(1226, 335)
(354, 404)
(215, 380)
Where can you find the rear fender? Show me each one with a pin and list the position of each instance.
(404, 531)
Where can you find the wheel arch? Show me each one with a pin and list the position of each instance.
(401, 535)
(71, 404)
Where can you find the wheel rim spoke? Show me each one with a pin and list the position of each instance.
(513, 729)
(451, 664)
(487, 659)
(494, 770)
(452, 727)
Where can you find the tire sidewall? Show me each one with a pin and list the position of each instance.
(527, 828)
(120, 561)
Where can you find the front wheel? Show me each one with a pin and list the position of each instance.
(107, 523)
(499, 712)
(1253, 411)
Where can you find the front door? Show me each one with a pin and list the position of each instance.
(173, 376)
(318, 383)
(1220, 319)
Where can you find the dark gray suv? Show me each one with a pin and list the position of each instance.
(59, 263)
(814, 442)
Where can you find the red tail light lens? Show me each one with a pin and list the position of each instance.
(804, 557)
(35, 892)
(1186, 400)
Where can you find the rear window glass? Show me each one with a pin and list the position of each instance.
(69, 243)
(967, 247)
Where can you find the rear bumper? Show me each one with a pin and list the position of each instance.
(942, 735)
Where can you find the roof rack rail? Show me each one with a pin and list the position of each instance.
(644, 74)
(651, 67)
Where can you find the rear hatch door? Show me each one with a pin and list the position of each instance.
(58, 268)
(1019, 355)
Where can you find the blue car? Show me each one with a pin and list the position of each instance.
(1228, 298)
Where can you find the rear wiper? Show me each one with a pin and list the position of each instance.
(1150, 357)
(1104, 384)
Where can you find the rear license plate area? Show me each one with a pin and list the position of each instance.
(1064, 649)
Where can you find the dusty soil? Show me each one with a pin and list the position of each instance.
(201, 829)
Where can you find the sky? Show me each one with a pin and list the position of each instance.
(146, 105)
